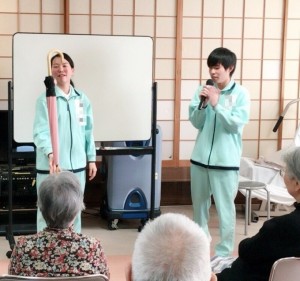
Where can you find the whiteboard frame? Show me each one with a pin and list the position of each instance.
(118, 82)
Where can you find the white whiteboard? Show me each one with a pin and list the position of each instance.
(115, 72)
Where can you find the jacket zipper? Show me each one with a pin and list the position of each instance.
(68, 108)
(212, 141)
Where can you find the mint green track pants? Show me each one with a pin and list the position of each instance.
(223, 185)
(40, 222)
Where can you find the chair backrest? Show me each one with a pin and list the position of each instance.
(285, 269)
(93, 277)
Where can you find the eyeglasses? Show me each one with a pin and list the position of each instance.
(283, 172)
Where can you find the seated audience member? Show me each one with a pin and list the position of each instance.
(171, 248)
(277, 238)
(58, 250)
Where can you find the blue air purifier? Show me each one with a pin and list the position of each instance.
(129, 183)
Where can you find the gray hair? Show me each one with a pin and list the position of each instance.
(172, 247)
(292, 162)
(60, 199)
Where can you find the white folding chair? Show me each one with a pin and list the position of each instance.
(285, 269)
(92, 277)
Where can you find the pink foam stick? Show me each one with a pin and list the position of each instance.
(52, 113)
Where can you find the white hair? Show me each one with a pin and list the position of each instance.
(60, 199)
(171, 248)
(292, 162)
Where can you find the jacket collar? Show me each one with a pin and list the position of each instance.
(60, 93)
(229, 86)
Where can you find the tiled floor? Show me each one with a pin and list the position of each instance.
(118, 244)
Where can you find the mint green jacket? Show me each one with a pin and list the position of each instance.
(219, 140)
(75, 131)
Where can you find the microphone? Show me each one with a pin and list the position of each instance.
(209, 82)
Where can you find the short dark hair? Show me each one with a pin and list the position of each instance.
(222, 56)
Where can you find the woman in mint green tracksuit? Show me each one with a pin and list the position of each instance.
(75, 131)
(216, 155)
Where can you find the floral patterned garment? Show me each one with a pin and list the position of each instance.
(57, 252)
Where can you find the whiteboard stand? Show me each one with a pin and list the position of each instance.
(153, 159)
(9, 227)
(23, 228)
(108, 151)
(103, 151)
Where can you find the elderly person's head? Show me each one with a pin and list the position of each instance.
(292, 162)
(292, 172)
(60, 199)
(171, 247)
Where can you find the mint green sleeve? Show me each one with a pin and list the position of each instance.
(233, 120)
(89, 136)
(41, 132)
(196, 116)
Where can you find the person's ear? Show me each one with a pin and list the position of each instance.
(231, 68)
(297, 185)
